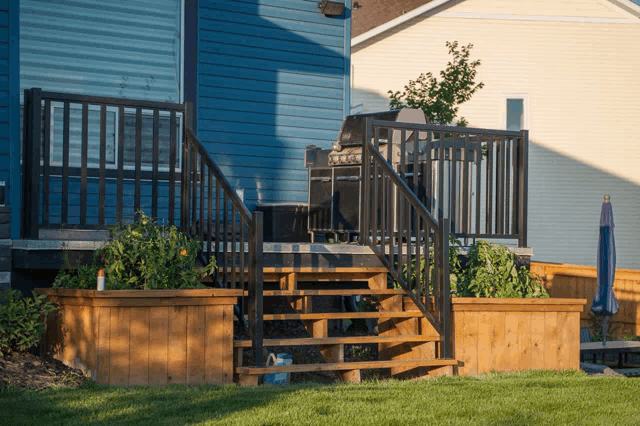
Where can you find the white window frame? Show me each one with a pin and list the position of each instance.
(526, 110)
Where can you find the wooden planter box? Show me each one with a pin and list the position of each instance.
(144, 337)
(516, 334)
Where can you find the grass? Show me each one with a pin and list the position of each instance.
(527, 398)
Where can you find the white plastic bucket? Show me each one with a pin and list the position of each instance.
(279, 360)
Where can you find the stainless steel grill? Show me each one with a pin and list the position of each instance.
(335, 174)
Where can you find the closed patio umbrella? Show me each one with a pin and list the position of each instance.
(604, 301)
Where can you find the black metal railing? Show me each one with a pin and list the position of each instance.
(404, 235)
(94, 162)
(475, 177)
(85, 166)
(212, 211)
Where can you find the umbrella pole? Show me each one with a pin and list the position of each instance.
(604, 330)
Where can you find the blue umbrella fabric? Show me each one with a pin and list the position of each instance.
(604, 301)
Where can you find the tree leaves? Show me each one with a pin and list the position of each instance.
(439, 99)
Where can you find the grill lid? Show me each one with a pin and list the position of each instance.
(353, 125)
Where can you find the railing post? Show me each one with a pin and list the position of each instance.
(364, 184)
(31, 162)
(445, 294)
(524, 187)
(256, 326)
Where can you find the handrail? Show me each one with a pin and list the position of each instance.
(447, 129)
(235, 198)
(128, 103)
(207, 194)
(397, 226)
(401, 184)
(476, 177)
(201, 182)
(76, 175)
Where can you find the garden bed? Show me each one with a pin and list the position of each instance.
(144, 337)
(516, 334)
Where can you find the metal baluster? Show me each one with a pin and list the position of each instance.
(47, 162)
(172, 167)
(103, 163)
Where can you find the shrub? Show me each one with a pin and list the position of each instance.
(491, 271)
(21, 320)
(144, 255)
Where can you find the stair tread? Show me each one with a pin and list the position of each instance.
(332, 292)
(357, 365)
(342, 315)
(304, 341)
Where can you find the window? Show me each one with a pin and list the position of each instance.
(515, 114)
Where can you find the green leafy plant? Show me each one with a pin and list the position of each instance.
(21, 320)
(440, 99)
(492, 271)
(454, 268)
(143, 255)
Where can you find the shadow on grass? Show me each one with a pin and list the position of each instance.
(173, 404)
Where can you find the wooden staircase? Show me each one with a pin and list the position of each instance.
(407, 343)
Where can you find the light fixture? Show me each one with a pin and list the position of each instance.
(331, 8)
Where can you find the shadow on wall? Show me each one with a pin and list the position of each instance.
(365, 101)
(271, 80)
(565, 198)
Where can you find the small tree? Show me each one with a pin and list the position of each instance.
(440, 99)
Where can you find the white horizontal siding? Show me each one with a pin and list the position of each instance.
(582, 83)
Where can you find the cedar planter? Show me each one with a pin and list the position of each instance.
(516, 334)
(144, 337)
(513, 334)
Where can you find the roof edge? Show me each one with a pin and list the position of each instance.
(626, 5)
(397, 21)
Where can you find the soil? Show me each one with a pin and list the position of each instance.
(24, 370)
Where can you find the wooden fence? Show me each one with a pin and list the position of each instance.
(574, 281)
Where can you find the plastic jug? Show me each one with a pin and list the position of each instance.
(279, 360)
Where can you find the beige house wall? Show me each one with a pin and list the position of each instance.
(576, 64)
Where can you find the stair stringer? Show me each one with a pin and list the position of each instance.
(399, 327)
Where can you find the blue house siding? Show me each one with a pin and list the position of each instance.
(10, 171)
(272, 78)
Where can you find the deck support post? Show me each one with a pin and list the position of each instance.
(445, 294)
(31, 163)
(256, 284)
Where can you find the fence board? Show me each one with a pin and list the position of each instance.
(576, 281)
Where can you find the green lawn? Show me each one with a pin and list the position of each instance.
(500, 399)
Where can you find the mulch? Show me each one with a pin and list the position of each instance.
(26, 371)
